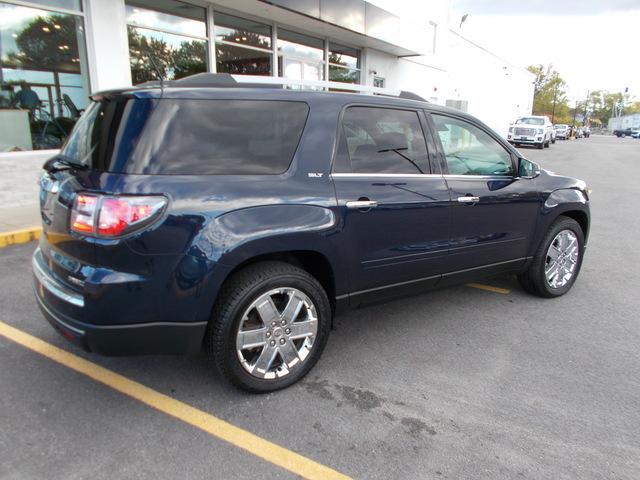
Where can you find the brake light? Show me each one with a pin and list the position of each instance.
(113, 216)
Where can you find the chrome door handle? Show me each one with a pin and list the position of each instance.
(468, 199)
(358, 204)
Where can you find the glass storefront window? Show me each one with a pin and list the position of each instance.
(44, 84)
(154, 55)
(299, 45)
(345, 75)
(241, 32)
(66, 4)
(242, 46)
(172, 47)
(344, 64)
(238, 60)
(344, 56)
(194, 25)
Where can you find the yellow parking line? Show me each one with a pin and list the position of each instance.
(19, 236)
(489, 288)
(236, 436)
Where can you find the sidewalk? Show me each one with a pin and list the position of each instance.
(19, 203)
(20, 217)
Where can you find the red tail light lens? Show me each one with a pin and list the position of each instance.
(110, 216)
(83, 215)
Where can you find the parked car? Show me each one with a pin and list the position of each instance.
(586, 131)
(579, 132)
(625, 132)
(532, 130)
(243, 219)
(562, 130)
(635, 133)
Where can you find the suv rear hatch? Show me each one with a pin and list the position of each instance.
(134, 154)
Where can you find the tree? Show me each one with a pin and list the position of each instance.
(549, 95)
(152, 58)
(47, 43)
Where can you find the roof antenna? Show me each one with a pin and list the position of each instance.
(156, 69)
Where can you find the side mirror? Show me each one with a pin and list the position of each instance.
(527, 168)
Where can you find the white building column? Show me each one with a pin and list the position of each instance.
(107, 44)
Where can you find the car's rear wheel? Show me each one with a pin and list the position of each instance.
(269, 326)
(556, 264)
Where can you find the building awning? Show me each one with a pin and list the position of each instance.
(355, 22)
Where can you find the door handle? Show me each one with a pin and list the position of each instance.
(468, 199)
(362, 204)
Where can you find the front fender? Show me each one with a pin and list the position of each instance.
(559, 202)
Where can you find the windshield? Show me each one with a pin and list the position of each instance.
(530, 121)
(560, 127)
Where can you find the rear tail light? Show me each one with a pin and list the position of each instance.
(114, 216)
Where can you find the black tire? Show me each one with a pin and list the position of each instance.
(236, 296)
(534, 280)
(553, 141)
(540, 146)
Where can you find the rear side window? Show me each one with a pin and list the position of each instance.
(218, 137)
(381, 140)
(187, 137)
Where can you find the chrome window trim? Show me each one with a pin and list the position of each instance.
(379, 175)
(481, 177)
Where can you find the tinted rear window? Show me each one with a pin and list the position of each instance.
(189, 137)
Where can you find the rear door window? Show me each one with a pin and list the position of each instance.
(381, 140)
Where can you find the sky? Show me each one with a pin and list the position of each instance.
(593, 44)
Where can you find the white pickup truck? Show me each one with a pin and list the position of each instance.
(532, 130)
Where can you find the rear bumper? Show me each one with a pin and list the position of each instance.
(131, 339)
(139, 339)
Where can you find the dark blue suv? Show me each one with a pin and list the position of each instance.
(241, 217)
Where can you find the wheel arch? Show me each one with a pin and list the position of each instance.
(581, 217)
(313, 262)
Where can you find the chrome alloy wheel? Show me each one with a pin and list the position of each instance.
(562, 259)
(276, 333)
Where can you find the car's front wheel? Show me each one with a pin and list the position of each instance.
(556, 263)
(269, 326)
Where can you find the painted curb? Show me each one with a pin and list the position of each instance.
(19, 236)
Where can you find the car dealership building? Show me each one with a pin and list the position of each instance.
(54, 53)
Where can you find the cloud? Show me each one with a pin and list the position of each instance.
(544, 7)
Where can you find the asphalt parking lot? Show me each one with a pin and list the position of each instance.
(458, 383)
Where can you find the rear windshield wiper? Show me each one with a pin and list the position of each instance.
(59, 163)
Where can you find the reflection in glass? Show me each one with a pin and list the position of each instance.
(154, 55)
(241, 32)
(345, 56)
(238, 60)
(43, 76)
(170, 23)
(299, 45)
(345, 75)
(344, 64)
(66, 4)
